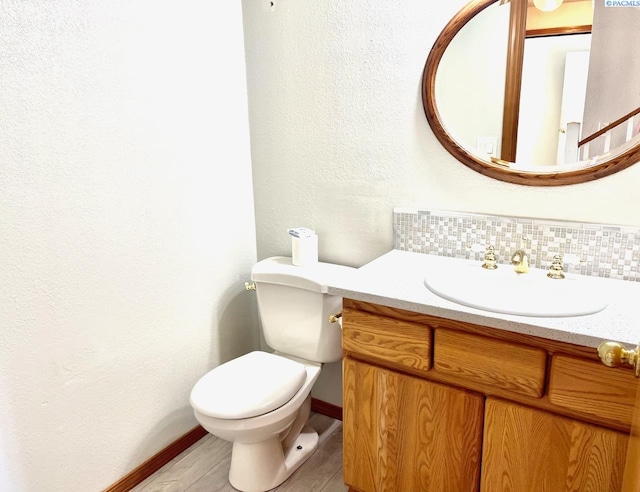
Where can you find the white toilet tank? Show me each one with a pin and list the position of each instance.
(295, 308)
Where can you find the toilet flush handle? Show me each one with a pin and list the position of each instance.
(335, 317)
(249, 286)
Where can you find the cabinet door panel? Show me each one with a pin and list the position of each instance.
(402, 433)
(527, 450)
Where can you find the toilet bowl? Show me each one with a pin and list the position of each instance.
(269, 447)
(261, 401)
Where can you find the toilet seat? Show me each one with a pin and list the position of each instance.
(251, 385)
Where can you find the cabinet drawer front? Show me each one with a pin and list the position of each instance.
(592, 388)
(390, 342)
(496, 363)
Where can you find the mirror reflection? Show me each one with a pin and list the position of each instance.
(577, 101)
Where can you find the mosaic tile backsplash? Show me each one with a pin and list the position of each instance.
(604, 250)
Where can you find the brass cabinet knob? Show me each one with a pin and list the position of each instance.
(613, 354)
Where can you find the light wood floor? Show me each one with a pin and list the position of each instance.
(204, 467)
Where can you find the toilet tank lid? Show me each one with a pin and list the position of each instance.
(250, 385)
(281, 270)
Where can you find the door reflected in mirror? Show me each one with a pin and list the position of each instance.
(577, 103)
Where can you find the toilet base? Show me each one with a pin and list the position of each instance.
(261, 466)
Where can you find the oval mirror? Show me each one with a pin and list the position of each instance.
(537, 97)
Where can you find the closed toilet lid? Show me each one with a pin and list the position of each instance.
(251, 385)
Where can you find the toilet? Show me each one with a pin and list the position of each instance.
(261, 401)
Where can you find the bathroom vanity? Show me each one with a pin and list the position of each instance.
(438, 396)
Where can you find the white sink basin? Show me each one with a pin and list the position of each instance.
(505, 291)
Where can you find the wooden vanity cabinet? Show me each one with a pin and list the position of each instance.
(431, 404)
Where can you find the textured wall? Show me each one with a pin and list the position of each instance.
(123, 143)
(475, 110)
(339, 136)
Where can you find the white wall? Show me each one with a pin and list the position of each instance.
(541, 97)
(614, 73)
(479, 52)
(339, 136)
(126, 229)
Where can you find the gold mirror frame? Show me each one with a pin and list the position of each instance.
(503, 173)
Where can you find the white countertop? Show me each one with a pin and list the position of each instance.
(396, 279)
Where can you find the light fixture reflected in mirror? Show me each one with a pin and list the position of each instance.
(542, 5)
(547, 5)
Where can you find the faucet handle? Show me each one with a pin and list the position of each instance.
(556, 271)
(490, 260)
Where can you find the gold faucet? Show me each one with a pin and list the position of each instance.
(520, 259)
